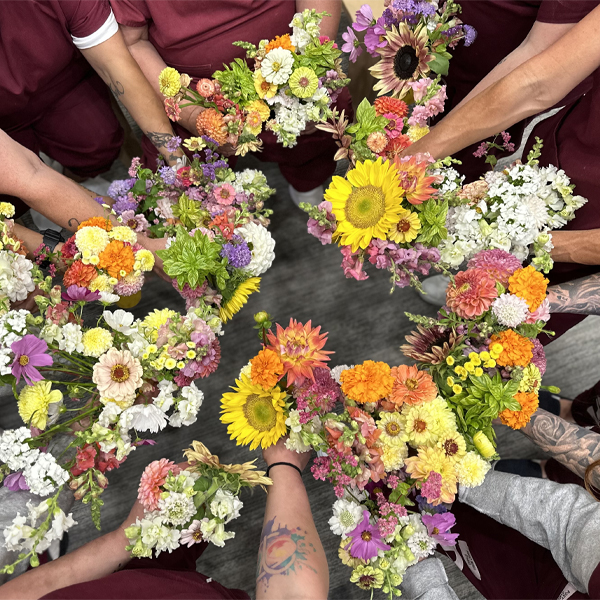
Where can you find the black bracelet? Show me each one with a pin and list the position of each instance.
(283, 463)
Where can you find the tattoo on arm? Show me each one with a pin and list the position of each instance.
(581, 296)
(573, 446)
(76, 221)
(282, 551)
(116, 87)
(159, 139)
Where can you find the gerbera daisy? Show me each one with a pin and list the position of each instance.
(300, 348)
(239, 298)
(431, 345)
(406, 229)
(117, 374)
(255, 415)
(266, 368)
(366, 204)
(153, 477)
(370, 382)
(413, 179)
(471, 293)
(403, 59)
(412, 386)
(517, 351)
(530, 285)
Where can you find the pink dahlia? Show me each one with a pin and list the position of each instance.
(153, 477)
(118, 374)
(498, 264)
(471, 293)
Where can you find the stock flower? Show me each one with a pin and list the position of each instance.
(516, 419)
(117, 259)
(366, 540)
(277, 66)
(30, 352)
(239, 298)
(91, 240)
(153, 477)
(391, 425)
(263, 88)
(387, 104)
(34, 403)
(498, 264)
(411, 386)
(517, 351)
(406, 229)
(369, 382)
(413, 179)
(471, 469)
(254, 415)
(117, 374)
(366, 204)
(210, 122)
(471, 293)
(266, 368)
(169, 82)
(280, 41)
(530, 285)
(433, 459)
(79, 274)
(303, 82)
(96, 341)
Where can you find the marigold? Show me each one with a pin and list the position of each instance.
(411, 386)
(79, 274)
(210, 122)
(101, 222)
(387, 104)
(280, 41)
(516, 419)
(369, 382)
(266, 368)
(517, 351)
(530, 285)
(117, 257)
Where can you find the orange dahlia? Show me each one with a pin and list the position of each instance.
(413, 179)
(517, 350)
(530, 285)
(79, 274)
(210, 122)
(117, 257)
(396, 146)
(412, 386)
(280, 41)
(97, 222)
(519, 418)
(369, 382)
(266, 369)
(300, 348)
(387, 104)
(471, 293)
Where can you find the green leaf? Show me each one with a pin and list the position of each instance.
(439, 64)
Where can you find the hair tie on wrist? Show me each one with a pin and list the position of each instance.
(283, 463)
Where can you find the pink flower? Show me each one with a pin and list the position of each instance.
(498, 264)
(30, 352)
(352, 263)
(136, 222)
(85, 459)
(481, 151)
(471, 293)
(541, 314)
(135, 163)
(432, 488)
(539, 356)
(173, 112)
(225, 194)
(394, 126)
(366, 540)
(192, 535)
(438, 527)
(420, 88)
(153, 477)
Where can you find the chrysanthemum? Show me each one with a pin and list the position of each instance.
(370, 382)
(101, 283)
(281, 41)
(510, 310)
(117, 374)
(255, 415)
(239, 298)
(366, 204)
(210, 122)
(433, 459)
(153, 477)
(101, 222)
(431, 345)
(453, 445)
(403, 59)
(34, 402)
(169, 82)
(79, 274)
(530, 285)
(411, 386)
(300, 348)
(387, 104)
(91, 240)
(406, 229)
(277, 66)
(263, 88)
(471, 293)
(7, 210)
(96, 341)
(516, 419)
(303, 82)
(517, 350)
(117, 259)
(471, 470)
(266, 368)
(391, 425)
(413, 179)
(155, 319)
(421, 426)
(499, 264)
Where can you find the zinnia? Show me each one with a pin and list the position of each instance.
(412, 386)
(117, 374)
(471, 293)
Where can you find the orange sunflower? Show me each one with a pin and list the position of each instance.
(517, 350)
(97, 222)
(412, 386)
(519, 418)
(116, 258)
(266, 369)
(530, 285)
(369, 382)
(414, 182)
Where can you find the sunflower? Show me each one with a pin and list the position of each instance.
(431, 345)
(239, 298)
(255, 415)
(406, 229)
(403, 59)
(367, 204)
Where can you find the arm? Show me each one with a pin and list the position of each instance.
(581, 247)
(329, 25)
(289, 530)
(581, 296)
(427, 580)
(531, 88)
(121, 73)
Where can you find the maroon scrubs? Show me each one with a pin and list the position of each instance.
(51, 99)
(196, 37)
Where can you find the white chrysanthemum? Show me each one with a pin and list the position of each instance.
(15, 276)
(143, 417)
(510, 310)
(346, 516)
(471, 470)
(277, 66)
(262, 247)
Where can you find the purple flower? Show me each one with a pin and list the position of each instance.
(30, 352)
(120, 187)
(470, 34)
(352, 45)
(76, 293)
(173, 144)
(425, 506)
(238, 253)
(123, 204)
(438, 527)
(364, 18)
(366, 540)
(16, 482)
(373, 37)
(168, 175)
(144, 443)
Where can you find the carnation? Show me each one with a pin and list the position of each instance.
(471, 469)
(96, 341)
(510, 310)
(91, 240)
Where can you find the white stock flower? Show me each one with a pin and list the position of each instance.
(225, 505)
(214, 532)
(15, 276)
(187, 409)
(45, 475)
(71, 340)
(262, 247)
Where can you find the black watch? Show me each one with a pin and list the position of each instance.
(50, 240)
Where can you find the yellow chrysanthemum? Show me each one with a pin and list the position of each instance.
(7, 210)
(263, 88)
(101, 283)
(255, 415)
(96, 341)
(144, 260)
(406, 229)
(169, 81)
(239, 298)
(34, 401)
(367, 204)
(393, 456)
(471, 470)
(262, 108)
(391, 425)
(91, 240)
(416, 132)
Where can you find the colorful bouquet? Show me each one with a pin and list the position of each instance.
(512, 210)
(189, 505)
(295, 80)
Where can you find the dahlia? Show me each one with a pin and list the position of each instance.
(530, 285)
(79, 274)
(397, 146)
(414, 182)
(471, 293)
(117, 374)
(96, 341)
(262, 247)
(210, 122)
(498, 264)
(433, 459)
(153, 477)
(517, 351)
(431, 345)
(471, 470)
(510, 310)
(542, 313)
(369, 382)
(411, 386)
(387, 104)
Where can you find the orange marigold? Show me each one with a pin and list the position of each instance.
(412, 386)
(387, 104)
(117, 257)
(369, 382)
(97, 222)
(210, 122)
(79, 274)
(266, 369)
(517, 350)
(530, 285)
(281, 41)
(519, 418)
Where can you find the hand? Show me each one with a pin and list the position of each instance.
(154, 244)
(279, 453)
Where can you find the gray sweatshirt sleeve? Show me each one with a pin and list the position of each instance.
(427, 580)
(563, 518)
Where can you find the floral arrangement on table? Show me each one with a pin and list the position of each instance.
(90, 395)
(511, 209)
(294, 80)
(187, 505)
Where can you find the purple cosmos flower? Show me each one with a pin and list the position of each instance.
(366, 540)
(30, 352)
(144, 443)
(16, 482)
(352, 45)
(76, 293)
(374, 35)
(364, 18)
(438, 527)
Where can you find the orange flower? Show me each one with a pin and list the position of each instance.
(222, 222)
(413, 179)
(369, 382)
(387, 104)
(282, 41)
(517, 350)
(97, 222)
(266, 369)
(412, 386)
(117, 257)
(79, 274)
(530, 285)
(210, 122)
(519, 418)
(396, 145)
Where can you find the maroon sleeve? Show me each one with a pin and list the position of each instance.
(131, 13)
(85, 17)
(594, 584)
(565, 11)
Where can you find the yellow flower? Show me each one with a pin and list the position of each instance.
(367, 578)
(157, 318)
(263, 88)
(123, 234)
(471, 470)
(391, 425)
(191, 354)
(367, 204)
(406, 229)
(489, 364)
(421, 427)
(393, 456)
(478, 372)
(256, 416)
(239, 298)
(450, 381)
(170, 363)
(484, 355)
(92, 240)
(253, 123)
(7, 210)
(434, 459)
(457, 389)
(470, 367)
(194, 144)
(450, 360)
(122, 404)
(415, 132)
(262, 108)
(34, 401)
(101, 283)
(453, 445)
(180, 364)
(484, 445)
(460, 371)
(496, 350)
(169, 81)
(531, 381)
(144, 260)
(96, 341)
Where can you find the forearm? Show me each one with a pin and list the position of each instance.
(582, 247)
(289, 524)
(581, 296)
(329, 25)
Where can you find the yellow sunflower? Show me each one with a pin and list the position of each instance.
(239, 298)
(367, 204)
(406, 229)
(255, 415)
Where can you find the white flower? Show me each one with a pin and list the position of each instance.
(262, 247)
(225, 505)
(110, 414)
(61, 523)
(138, 344)
(192, 535)
(187, 409)
(245, 370)
(293, 421)
(109, 298)
(168, 540)
(421, 545)
(120, 320)
(346, 516)
(214, 532)
(510, 310)
(143, 417)
(337, 371)
(15, 276)
(177, 508)
(277, 66)
(164, 400)
(50, 333)
(45, 475)
(72, 337)
(16, 533)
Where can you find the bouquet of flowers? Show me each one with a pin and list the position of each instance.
(512, 210)
(295, 79)
(188, 505)
(482, 351)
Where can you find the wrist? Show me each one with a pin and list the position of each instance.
(283, 466)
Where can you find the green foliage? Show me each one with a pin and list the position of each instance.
(440, 63)
(189, 212)
(432, 215)
(250, 49)
(237, 82)
(535, 152)
(318, 57)
(367, 122)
